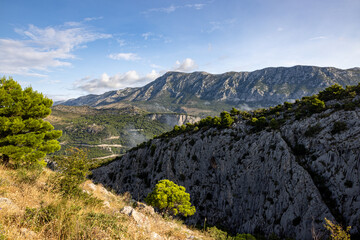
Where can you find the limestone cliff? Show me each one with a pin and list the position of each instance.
(282, 180)
(173, 119)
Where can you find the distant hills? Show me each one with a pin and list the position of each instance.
(108, 133)
(201, 93)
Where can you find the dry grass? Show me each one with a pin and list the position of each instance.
(34, 210)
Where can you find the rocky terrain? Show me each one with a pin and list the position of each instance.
(201, 93)
(173, 119)
(284, 179)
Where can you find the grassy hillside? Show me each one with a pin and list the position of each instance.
(32, 208)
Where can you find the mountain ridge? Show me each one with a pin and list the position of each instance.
(179, 92)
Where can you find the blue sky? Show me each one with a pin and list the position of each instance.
(67, 48)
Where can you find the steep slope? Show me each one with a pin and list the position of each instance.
(254, 178)
(204, 93)
(31, 208)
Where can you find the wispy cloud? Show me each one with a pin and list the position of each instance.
(147, 35)
(318, 38)
(121, 42)
(124, 56)
(197, 6)
(89, 19)
(153, 36)
(118, 81)
(186, 65)
(44, 48)
(173, 8)
(218, 25)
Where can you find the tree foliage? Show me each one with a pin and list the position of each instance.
(336, 231)
(25, 138)
(170, 198)
(74, 168)
(335, 91)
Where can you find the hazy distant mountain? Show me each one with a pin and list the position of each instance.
(205, 93)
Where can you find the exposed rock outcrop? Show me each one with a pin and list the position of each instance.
(282, 181)
(173, 119)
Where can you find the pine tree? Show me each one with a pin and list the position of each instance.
(170, 198)
(25, 137)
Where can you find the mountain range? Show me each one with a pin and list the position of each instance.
(201, 93)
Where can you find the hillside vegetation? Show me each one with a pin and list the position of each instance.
(105, 132)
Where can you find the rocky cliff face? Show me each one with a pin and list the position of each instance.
(283, 181)
(173, 119)
(266, 87)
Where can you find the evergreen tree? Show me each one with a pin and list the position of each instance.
(226, 119)
(25, 137)
(170, 198)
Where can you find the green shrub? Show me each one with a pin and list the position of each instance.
(312, 104)
(234, 112)
(335, 91)
(244, 236)
(226, 119)
(217, 233)
(274, 124)
(170, 198)
(216, 121)
(222, 235)
(336, 231)
(73, 168)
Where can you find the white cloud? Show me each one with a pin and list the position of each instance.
(185, 66)
(147, 35)
(156, 66)
(172, 8)
(219, 25)
(44, 48)
(89, 19)
(118, 81)
(124, 56)
(318, 38)
(197, 6)
(155, 37)
(121, 42)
